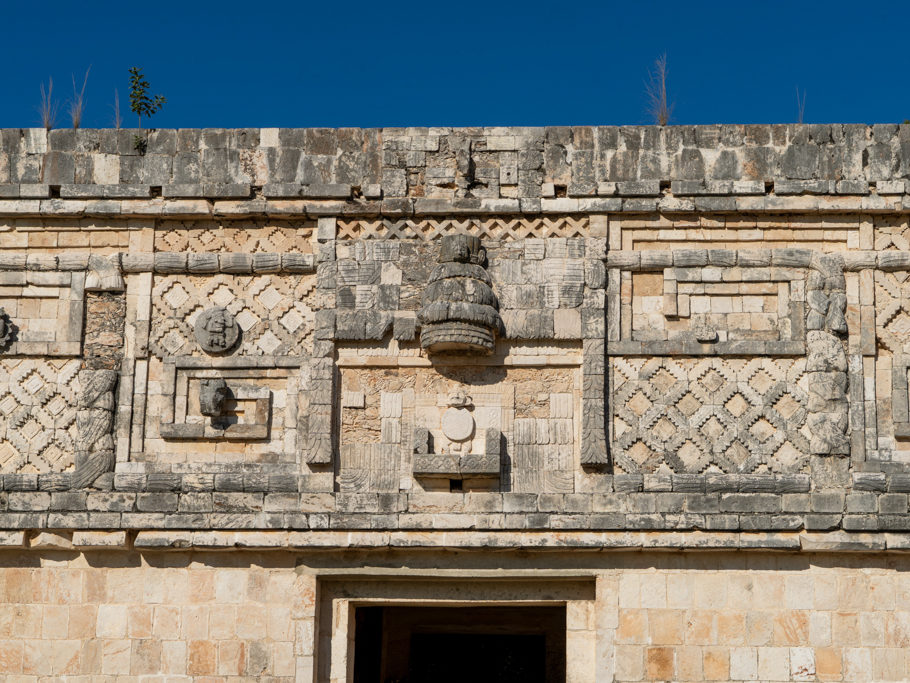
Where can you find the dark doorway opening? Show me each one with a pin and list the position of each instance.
(458, 644)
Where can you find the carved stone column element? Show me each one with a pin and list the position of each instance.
(826, 364)
(7, 330)
(94, 420)
(460, 311)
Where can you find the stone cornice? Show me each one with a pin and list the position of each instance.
(397, 171)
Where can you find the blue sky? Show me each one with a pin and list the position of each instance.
(237, 64)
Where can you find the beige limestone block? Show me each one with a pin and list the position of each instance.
(791, 628)
(82, 622)
(828, 664)
(744, 663)
(57, 540)
(231, 658)
(689, 664)
(666, 627)
(774, 663)
(99, 539)
(845, 628)
(858, 664)
(195, 622)
(201, 658)
(716, 663)
(820, 628)
(55, 622)
(660, 663)
(145, 657)
(112, 620)
(173, 657)
(166, 621)
(115, 657)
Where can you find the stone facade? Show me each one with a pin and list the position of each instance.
(251, 379)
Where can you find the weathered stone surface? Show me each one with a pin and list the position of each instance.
(459, 310)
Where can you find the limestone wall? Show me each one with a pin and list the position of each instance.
(460, 355)
(110, 613)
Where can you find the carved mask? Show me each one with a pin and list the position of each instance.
(212, 395)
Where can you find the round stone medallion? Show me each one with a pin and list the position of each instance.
(216, 330)
(457, 424)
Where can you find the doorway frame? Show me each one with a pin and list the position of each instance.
(339, 597)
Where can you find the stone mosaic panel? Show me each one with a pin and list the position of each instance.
(890, 413)
(828, 234)
(275, 313)
(688, 415)
(892, 233)
(247, 237)
(892, 306)
(46, 311)
(735, 310)
(498, 228)
(258, 423)
(38, 414)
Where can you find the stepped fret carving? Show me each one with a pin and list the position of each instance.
(484, 228)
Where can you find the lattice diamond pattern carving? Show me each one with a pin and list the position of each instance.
(37, 414)
(691, 415)
(892, 303)
(275, 312)
(248, 239)
(892, 234)
(485, 228)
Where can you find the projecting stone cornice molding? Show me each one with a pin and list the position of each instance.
(397, 171)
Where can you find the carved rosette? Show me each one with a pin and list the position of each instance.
(460, 311)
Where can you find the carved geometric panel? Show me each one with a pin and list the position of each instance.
(706, 305)
(247, 239)
(690, 415)
(275, 313)
(486, 228)
(258, 422)
(892, 233)
(48, 316)
(892, 306)
(37, 414)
